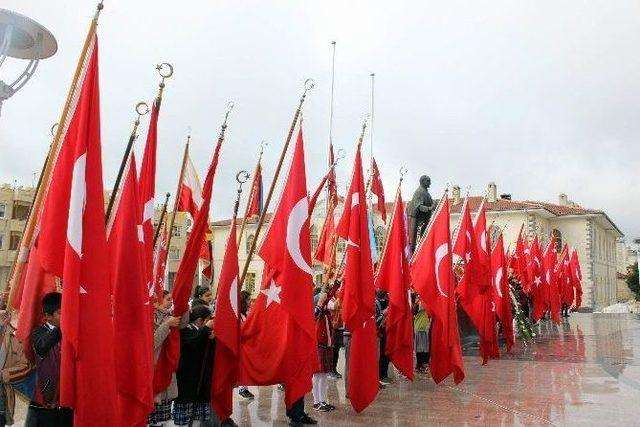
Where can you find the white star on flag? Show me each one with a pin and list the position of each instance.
(537, 281)
(272, 293)
(468, 256)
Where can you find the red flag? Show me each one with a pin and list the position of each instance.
(564, 279)
(501, 295)
(170, 353)
(576, 277)
(394, 277)
(358, 304)
(538, 290)
(160, 263)
(147, 189)
(475, 290)
(256, 203)
(378, 190)
(551, 280)
(36, 284)
(72, 245)
(227, 331)
(134, 354)
(432, 277)
(190, 200)
(324, 251)
(522, 255)
(190, 195)
(278, 337)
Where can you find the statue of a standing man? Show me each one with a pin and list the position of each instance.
(420, 210)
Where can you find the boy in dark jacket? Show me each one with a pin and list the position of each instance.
(44, 409)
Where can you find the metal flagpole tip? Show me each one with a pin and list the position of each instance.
(53, 129)
(142, 108)
(230, 106)
(26, 38)
(340, 154)
(403, 171)
(242, 177)
(308, 85)
(165, 70)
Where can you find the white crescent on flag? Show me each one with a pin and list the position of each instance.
(483, 241)
(297, 218)
(498, 279)
(233, 296)
(76, 204)
(441, 252)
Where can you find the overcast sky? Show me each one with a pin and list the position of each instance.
(541, 97)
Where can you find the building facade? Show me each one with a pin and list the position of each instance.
(15, 203)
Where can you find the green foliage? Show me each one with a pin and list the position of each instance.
(632, 280)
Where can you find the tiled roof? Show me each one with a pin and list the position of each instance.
(515, 205)
(250, 220)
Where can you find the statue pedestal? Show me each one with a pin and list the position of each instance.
(469, 338)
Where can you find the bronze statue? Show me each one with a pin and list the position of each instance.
(420, 209)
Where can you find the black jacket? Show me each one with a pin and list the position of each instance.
(46, 345)
(196, 364)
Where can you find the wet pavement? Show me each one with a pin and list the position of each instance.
(583, 372)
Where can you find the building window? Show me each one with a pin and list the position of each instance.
(1, 239)
(21, 210)
(380, 235)
(3, 210)
(249, 243)
(341, 245)
(176, 231)
(557, 235)
(318, 280)
(174, 254)
(250, 282)
(14, 240)
(170, 278)
(314, 238)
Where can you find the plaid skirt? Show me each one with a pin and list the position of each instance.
(161, 412)
(184, 413)
(325, 356)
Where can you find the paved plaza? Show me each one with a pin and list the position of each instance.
(584, 372)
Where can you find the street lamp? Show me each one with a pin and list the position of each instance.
(22, 38)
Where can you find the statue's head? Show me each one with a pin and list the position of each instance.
(425, 181)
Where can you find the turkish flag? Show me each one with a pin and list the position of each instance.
(36, 284)
(378, 190)
(520, 267)
(279, 337)
(190, 195)
(324, 252)
(475, 290)
(160, 263)
(358, 304)
(395, 278)
(551, 280)
(147, 188)
(190, 200)
(134, 355)
(227, 331)
(501, 295)
(170, 352)
(256, 202)
(72, 245)
(432, 277)
(576, 277)
(538, 289)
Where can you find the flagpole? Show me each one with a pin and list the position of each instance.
(27, 237)
(403, 172)
(177, 193)
(141, 109)
(162, 215)
(308, 85)
(331, 105)
(263, 144)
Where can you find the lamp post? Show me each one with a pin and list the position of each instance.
(22, 38)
